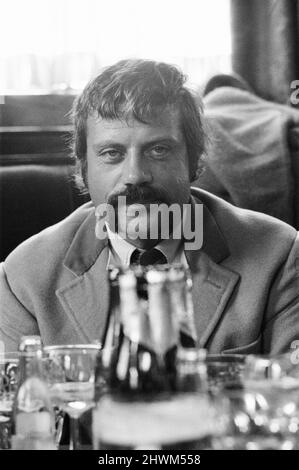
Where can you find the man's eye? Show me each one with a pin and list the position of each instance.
(158, 151)
(111, 155)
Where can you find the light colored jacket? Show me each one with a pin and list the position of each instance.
(245, 282)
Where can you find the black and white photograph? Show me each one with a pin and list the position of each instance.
(149, 218)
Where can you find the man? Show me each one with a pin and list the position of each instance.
(138, 134)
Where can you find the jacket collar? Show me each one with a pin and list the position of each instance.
(214, 244)
(85, 247)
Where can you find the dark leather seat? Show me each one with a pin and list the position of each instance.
(33, 197)
(36, 186)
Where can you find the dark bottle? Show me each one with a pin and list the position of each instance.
(33, 416)
(112, 332)
(145, 404)
(145, 358)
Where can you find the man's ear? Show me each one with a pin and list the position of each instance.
(199, 170)
(80, 176)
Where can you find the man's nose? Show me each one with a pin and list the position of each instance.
(136, 170)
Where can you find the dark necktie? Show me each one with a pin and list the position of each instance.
(148, 258)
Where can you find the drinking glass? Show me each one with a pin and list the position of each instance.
(265, 413)
(71, 378)
(224, 371)
(8, 383)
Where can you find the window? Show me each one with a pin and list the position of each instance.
(58, 45)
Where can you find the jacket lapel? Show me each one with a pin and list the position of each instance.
(86, 298)
(212, 288)
(213, 284)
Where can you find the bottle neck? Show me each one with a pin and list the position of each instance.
(30, 365)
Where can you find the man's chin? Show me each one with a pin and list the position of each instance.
(137, 207)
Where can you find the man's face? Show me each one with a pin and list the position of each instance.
(147, 163)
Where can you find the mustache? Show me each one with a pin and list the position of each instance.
(139, 194)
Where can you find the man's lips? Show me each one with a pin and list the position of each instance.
(133, 209)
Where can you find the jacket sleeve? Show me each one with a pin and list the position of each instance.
(15, 319)
(281, 325)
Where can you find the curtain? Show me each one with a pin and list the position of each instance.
(58, 45)
(265, 47)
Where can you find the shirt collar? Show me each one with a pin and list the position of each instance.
(121, 250)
